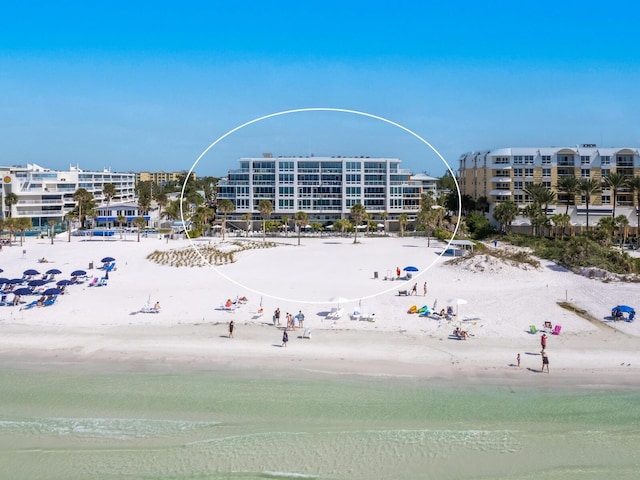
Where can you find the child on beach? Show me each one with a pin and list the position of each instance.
(285, 338)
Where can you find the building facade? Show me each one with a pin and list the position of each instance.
(324, 187)
(47, 195)
(160, 178)
(504, 173)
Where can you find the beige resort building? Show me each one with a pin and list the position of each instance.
(502, 174)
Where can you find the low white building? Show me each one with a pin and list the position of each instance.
(47, 195)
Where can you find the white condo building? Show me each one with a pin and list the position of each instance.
(47, 195)
(324, 187)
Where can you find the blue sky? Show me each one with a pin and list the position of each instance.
(149, 85)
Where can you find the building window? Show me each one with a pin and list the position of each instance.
(502, 161)
(546, 184)
(606, 199)
(585, 159)
(518, 160)
(528, 172)
(528, 159)
(605, 172)
(546, 172)
(546, 159)
(517, 172)
(585, 173)
(518, 185)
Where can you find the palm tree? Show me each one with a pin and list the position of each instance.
(634, 184)
(11, 225)
(202, 216)
(23, 224)
(69, 217)
(358, 213)
(588, 187)
(9, 200)
(482, 204)
(505, 213)
(285, 222)
(162, 200)
(121, 219)
(265, 207)
(52, 224)
(109, 191)
(615, 181)
(225, 206)
(623, 224)
(403, 219)
(568, 185)
(561, 221)
(384, 215)
(85, 203)
(247, 222)
(140, 223)
(301, 219)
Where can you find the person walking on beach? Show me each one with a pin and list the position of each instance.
(285, 338)
(398, 271)
(543, 341)
(276, 317)
(545, 361)
(424, 289)
(231, 325)
(414, 289)
(518, 359)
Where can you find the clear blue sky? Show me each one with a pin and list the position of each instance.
(149, 85)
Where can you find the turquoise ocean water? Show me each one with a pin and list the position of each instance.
(212, 425)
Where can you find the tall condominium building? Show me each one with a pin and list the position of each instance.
(324, 187)
(504, 173)
(47, 195)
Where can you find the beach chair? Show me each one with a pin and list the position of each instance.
(368, 317)
(29, 305)
(307, 333)
(3, 299)
(556, 330)
(412, 309)
(632, 317)
(50, 301)
(533, 329)
(335, 314)
(93, 282)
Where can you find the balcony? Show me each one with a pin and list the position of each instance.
(500, 180)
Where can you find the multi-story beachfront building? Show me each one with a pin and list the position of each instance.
(47, 195)
(324, 187)
(160, 178)
(504, 173)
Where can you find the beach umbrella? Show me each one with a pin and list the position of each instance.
(78, 273)
(15, 281)
(36, 283)
(4, 280)
(108, 259)
(53, 271)
(31, 271)
(52, 291)
(410, 268)
(623, 308)
(456, 301)
(62, 283)
(1, 270)
(23, 291)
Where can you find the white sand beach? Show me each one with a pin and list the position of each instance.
(103, 327)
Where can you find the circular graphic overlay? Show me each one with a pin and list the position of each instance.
(412, 274)
(7, 179)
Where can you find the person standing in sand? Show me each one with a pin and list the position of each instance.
(545, 361)
(424, 289)
(543, 341)
(231, 326)
(276, 317)
(285, 338)
(518, 359)
(300, 318)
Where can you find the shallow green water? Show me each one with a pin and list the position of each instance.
(214, 426)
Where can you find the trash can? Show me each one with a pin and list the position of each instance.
(375, 274)
(90, 265)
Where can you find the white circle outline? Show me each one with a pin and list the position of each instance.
(319, 109)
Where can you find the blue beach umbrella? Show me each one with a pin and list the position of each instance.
(108, 259)
(53, 271)
(36, 283)
(410, 268)
(78, 273)
(62, 283)
(15, 281)
(23, 291)
(52, 291)
(31, 271)
(4, 280)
